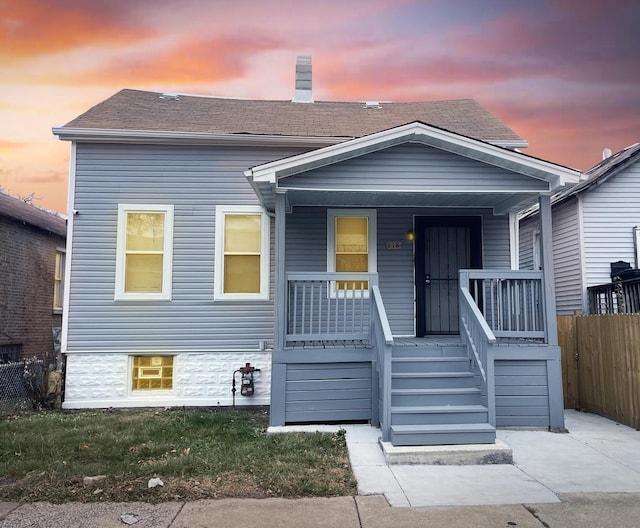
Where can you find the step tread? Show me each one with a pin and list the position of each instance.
(456, 390)
(438, 409)
(408, 359)
(444, 428)
(432, 374)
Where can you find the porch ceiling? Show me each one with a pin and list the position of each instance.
(500, 203)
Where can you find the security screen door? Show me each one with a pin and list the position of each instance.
(444, 245)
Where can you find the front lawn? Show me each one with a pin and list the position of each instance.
(196, 454)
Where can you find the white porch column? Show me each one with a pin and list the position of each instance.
(280, 274)
(546, 247)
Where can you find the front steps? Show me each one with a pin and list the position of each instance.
(435, 400)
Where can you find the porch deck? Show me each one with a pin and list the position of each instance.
(359, 343)
(327, 344)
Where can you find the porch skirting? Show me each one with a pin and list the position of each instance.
(324, 385)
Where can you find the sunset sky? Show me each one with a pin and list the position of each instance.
(564, 74)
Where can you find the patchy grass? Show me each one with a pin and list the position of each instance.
(197, 454)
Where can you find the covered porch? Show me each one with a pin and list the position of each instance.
(434, 269)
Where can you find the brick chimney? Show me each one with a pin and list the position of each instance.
(303, 93)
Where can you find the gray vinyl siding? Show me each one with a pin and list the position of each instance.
(194, 179)
(306, 250)
(522, 393)
(412, 167)
(527, 228)
(610, 211)
(567, 248)
(566, 257)
(496, 253)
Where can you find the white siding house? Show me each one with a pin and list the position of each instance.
(594, 225)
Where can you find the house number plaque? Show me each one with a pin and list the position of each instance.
(394, 245)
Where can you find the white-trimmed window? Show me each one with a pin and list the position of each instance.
(144, 252)
(58, 280)
(152, 373)
(351, 243)
(242, 253)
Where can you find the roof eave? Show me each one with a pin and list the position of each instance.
(483, 151)
(105, 135)
(510, 143)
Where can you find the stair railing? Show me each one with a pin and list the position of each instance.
(479, 339)
(382, 339)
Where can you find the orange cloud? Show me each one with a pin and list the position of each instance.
(197, 60)
(42, 27)
(6, 146)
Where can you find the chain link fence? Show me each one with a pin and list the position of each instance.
(22, 385)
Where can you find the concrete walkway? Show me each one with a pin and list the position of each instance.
(597, 455)
(589, 477)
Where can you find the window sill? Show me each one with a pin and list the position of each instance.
(141, 393)
(57, 311)
(142, 297)
(232, 298)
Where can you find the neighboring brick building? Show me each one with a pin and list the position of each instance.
(32, 245)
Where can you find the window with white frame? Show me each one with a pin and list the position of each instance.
(242, 253)
(58, 280)
(351, 244)
(144, 252)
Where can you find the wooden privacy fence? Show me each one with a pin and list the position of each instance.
(601, 365)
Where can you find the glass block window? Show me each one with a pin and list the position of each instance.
(152, 373)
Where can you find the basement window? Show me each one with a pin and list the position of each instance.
(152, 373)
(10, 353)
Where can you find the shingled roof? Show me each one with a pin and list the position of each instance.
(30, 214)
(137, 110)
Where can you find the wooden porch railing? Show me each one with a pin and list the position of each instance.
(329, 306)
(478, 338)
(511, 301)
(616, 297)
(382, 340)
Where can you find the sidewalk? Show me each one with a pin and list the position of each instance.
(587, 478)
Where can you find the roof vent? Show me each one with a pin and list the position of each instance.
(372, 104)
(303, 93)
(606, 153)
(170, 97)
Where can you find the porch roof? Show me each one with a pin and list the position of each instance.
(265, 178)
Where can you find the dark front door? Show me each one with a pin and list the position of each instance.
(443, 245)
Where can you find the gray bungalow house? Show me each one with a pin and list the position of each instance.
(361, 255)
(595, 223)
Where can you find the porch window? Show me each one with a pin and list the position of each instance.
(242, 253)
(144, 252)
(351, 244)
(58, 281)
(152, 373)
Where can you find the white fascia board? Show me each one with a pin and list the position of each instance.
(387, 190)
(556, 175)
(160, 136)
(323, 156)
(509, 143)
